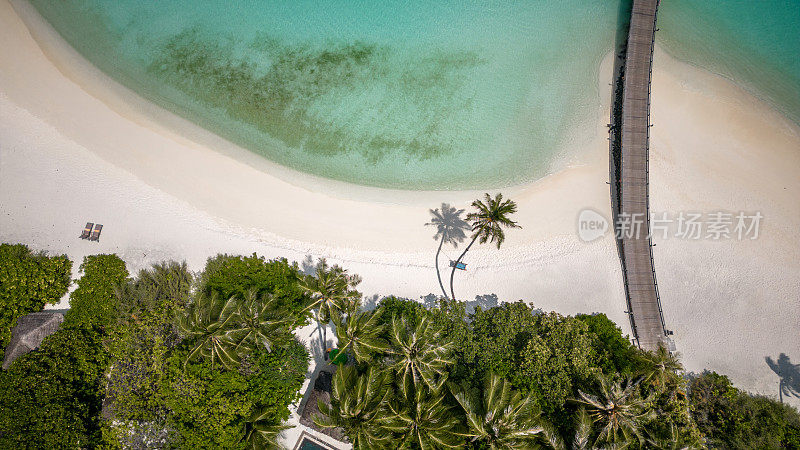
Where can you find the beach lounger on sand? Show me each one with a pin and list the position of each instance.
(460, 266)
(87, 231)
(96, 233)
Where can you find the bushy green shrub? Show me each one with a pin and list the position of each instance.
(731, 418)
(52, 397)
(616, 353)
(548, 355)
(209, 407)
(28, 281)
(154, 388)
(94, 302)
(144, 339)
(228, 276)
(396, 306)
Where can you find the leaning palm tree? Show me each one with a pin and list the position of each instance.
(619, 410)
(360, 334)
(258, 324)
(661, 366)
(419, 354)
(420, 419)
(260, 434)
(487, 222)
(207, 325)
(357, 406)
(332, 290)
(502, 418)
(449, 230)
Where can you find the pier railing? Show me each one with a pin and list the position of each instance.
(630, 188)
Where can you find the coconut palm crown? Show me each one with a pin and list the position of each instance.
(488, 221)
(260, 434)
(331, 289)
(258, 324)
(420, 355)
(491, 217)
(207, 325)
(357, 406)
(360, 334)
(421, 419)
(619, 410)
(332, 292)
(502, 418)
(661, 367)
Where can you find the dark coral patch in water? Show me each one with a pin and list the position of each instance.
(332, 99)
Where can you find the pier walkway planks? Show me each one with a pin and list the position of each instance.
(641, 287)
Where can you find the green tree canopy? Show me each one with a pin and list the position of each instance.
(145, 338)
(358, 406)
(212, 407)
(52, 396)
(94, 302)
(229, 276)
(548, 355)
(28, 281)
(500, 417)
(730, 418)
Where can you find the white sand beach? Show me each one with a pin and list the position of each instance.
(75, 146)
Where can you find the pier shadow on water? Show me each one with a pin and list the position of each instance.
(788, 373)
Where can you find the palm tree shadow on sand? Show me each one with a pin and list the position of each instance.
(450, 229)
(788, 373)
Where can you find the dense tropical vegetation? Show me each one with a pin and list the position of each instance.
(28, 281)
(172, 359)
(158, 360)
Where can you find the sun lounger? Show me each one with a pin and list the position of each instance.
(96, 233)
(87, 231)
(460, 265)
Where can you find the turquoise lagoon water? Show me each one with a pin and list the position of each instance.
(755, 43)
(410, 95)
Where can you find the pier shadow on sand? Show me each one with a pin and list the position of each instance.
(788, 373)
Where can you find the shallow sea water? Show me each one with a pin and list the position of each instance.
(410, 95)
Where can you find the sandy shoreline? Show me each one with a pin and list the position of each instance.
(76, 146)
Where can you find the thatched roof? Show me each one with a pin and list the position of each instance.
(29, 334)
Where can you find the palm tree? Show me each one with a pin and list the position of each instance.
(162, 285)
(487, 222)
(420, 419)
(502, 418)
(360, 334)
(674, 442)
(661, 366)
(332, 290)
(419, 355)
(357, 406)
(449, 230)
(207, 325)
(583, 430)
(260, 434)
(258, 324)
(620, 410)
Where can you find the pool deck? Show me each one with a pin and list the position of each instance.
(636, 254)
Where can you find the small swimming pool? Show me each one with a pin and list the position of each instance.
(308, 442)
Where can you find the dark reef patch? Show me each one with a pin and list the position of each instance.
(331, 99)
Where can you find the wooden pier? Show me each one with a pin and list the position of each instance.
(632, 213)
